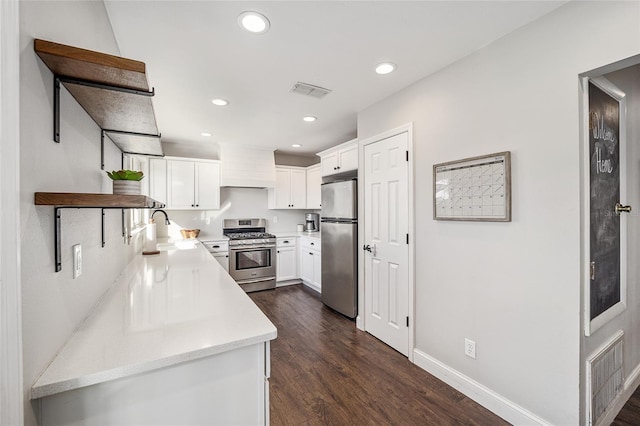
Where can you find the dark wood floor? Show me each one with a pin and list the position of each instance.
(326, 372)
(630, 413)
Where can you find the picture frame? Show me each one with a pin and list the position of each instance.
(473, 189)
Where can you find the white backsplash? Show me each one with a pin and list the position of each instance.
(235, 203)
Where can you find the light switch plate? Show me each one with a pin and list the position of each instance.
(77, 260)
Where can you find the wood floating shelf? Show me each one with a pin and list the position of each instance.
(104, 201)
(114, 91)
(73, 200)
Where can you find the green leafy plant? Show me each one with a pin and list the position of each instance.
(125, 175)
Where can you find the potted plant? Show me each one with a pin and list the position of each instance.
(126, 182)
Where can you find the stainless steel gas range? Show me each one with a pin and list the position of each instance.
(252, 254)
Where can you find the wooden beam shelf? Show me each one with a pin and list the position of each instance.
(72, 200)
(114, 91)
(103, 201)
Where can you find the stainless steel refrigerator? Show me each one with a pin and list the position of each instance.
(339, 234)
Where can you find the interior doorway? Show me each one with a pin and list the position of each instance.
(613, 88)
(386, 292)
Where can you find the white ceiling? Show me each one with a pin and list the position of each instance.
(195, 51)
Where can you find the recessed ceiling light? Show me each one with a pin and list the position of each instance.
(220, 102)
(296, 145)
(206, 134)
(254, 22)
(385, 68)
(309, 118)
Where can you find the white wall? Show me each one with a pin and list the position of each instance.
(54, 303)
(513, 287)
(235, 203)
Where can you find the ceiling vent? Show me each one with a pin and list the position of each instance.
(310, 90)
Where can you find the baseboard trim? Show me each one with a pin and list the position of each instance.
(630, 385)
(288, 282)
(311, 286)
(494, 402)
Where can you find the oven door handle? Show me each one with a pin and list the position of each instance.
(251, 248)
(256, 280)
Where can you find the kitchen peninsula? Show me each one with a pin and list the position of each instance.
(174, 340)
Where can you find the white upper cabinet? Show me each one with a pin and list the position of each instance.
(314, 182)
(290, 191)
(207, 190)
(158, 179)
(341, 158)
(193, 184)
(181, 184)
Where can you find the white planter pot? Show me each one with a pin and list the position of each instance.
(126, 187)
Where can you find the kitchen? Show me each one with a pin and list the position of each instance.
(54, 304)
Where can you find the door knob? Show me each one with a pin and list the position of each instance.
(619, 208)
(367, 248)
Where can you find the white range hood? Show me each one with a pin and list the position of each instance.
(247, 167)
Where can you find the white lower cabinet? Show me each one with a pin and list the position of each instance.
(287, 259)
(311, 263)
(202, 391)
(223, 259)
(220, 251)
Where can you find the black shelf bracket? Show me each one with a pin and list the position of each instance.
(102, 228)
(57, 234)
(102, 149)
(124, 132)
(56, 109)
(57, 79)
(103, 133)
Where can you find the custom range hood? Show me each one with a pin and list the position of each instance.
(247, 167)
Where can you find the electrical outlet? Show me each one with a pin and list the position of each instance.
(77, 260)
(275, 219)
(470, 348)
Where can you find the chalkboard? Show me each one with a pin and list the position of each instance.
(604, 151)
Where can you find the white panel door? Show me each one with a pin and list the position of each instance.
(207, 186)
(181, 184)
(386, 222)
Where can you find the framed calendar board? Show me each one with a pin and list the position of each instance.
(477, 189)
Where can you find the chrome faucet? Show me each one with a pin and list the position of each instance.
(166, 218)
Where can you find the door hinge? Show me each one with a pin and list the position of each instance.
(407, 238)
(407, 155)
(407, 321)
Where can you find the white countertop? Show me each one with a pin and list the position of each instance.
(315, 235)
(164, 309)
